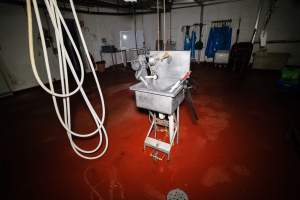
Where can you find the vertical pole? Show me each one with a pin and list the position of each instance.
(170, 25)
(164, 43)
(155, 126)
(134, 11)
(171, 127)
(158, 24)
(200, 31)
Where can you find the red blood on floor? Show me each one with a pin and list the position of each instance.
(237, 149)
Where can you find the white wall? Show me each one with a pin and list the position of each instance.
(14, 52)
(98, 26)
(14, 48)
(14, 56)
(283, 25)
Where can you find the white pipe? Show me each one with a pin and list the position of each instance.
(34, 69)
(64, 59)
(71, 67)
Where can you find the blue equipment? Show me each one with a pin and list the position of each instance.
(193, 43)
(219, 39)
(187, 40)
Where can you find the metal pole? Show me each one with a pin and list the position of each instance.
(170, 25)
(200, 27)
(164, 25)
(158, 19)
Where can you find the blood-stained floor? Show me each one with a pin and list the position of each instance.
(238, 149)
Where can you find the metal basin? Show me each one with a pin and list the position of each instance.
(158, 98)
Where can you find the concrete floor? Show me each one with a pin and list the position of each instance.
(237, 150)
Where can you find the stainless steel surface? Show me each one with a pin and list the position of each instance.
(171, 69)
(171, 123)
(156, 95)
(158, 102)
(155, 87)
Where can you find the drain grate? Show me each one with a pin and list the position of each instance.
(177, 194)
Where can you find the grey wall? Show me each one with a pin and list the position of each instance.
(14, 48)
(283, 25)
(14, 44)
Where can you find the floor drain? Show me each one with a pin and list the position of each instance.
(177, 194)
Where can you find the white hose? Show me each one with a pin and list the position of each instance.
(64, 61)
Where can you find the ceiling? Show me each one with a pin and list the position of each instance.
(120, 7)
(140, 4)
(145, 4)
